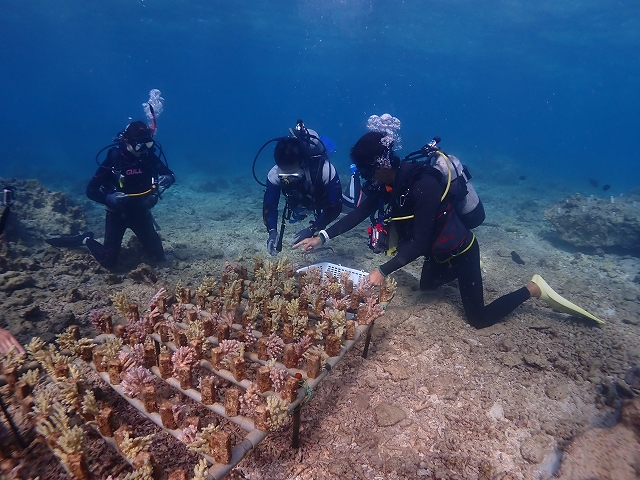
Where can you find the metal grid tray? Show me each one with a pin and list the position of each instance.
(356, 275)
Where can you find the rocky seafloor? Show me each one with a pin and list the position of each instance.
(541, 395)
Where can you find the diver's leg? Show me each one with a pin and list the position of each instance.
(144, 229)
(467, 266)
(107, 254)
(435, 274)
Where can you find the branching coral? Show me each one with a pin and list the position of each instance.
(278, 378)
(303, 345)
(313, 276)
(320, 328)
(182, 357)
(135, 379)
(131, 447)
(70, 441)
(100, 320)
(111, 348)
(299, 325)
(121, 303)
(230, 350)
(13, 359)
(134, 357)
(227, 318)
(30, 377)
(250, 400)
(200, 472)
(201, 443)
(35, 348)
(275, 346)
(145, 472)
(277, 412)
(274, 321)
(90, 405)
(189, 434)
(316, 350)
(154, 300)
(180, 291)
(194, 330)
(249, 338)
(208, 287)
(338, 319)
(388, 289)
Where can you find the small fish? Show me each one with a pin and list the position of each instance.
(522, 177)
(606, 187)
(516, 258)
(593, 182)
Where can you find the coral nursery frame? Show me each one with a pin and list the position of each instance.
(249, 351)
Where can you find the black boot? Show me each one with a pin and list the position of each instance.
(69, 242)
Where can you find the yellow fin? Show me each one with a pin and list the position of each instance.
(560, 304)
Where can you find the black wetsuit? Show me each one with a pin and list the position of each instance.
(137, 177)
(434, 232)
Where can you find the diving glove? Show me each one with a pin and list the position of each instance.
(165, 181)
(272, 243)
(302, 234)
(117, 200)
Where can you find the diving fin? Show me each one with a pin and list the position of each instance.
(560, 304)
(69, 242)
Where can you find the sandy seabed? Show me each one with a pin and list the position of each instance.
(435, 398)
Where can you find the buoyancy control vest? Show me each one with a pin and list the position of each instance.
(450, 236)
(464, 197)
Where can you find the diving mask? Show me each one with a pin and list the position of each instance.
(137, 146)
(289, 178)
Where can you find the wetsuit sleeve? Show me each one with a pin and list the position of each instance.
(368, 206)
(270, 206)
(425, 197)
(96, 190)
(161, 168)
(333, 201)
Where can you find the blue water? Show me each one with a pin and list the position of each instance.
(551, 86)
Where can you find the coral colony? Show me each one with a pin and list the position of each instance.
(246, 353)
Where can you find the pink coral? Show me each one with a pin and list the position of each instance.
(278, 378)
(135, 379)
(249, 401)
(189, 434)
(231, 348)
(132, 358)
(99, 320)
(303, 345)
(184, 356)
(228, 317)
(275, 346)
(250, 339)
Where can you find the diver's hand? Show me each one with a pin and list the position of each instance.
(165, 181)
(117, 200)
(375, 277)
(309, 244)
(302, 234)
(7, 340)
(272, 243)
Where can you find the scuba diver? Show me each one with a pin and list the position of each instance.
(6, 201)
(308, 181)
(420, 201)
(128, 182)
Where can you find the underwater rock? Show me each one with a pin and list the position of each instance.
(597, 223)
(38, 213)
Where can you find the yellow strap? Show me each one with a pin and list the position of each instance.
(473, 239)
(446, 190)
(139, 194)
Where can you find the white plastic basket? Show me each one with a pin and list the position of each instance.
(356, 275)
